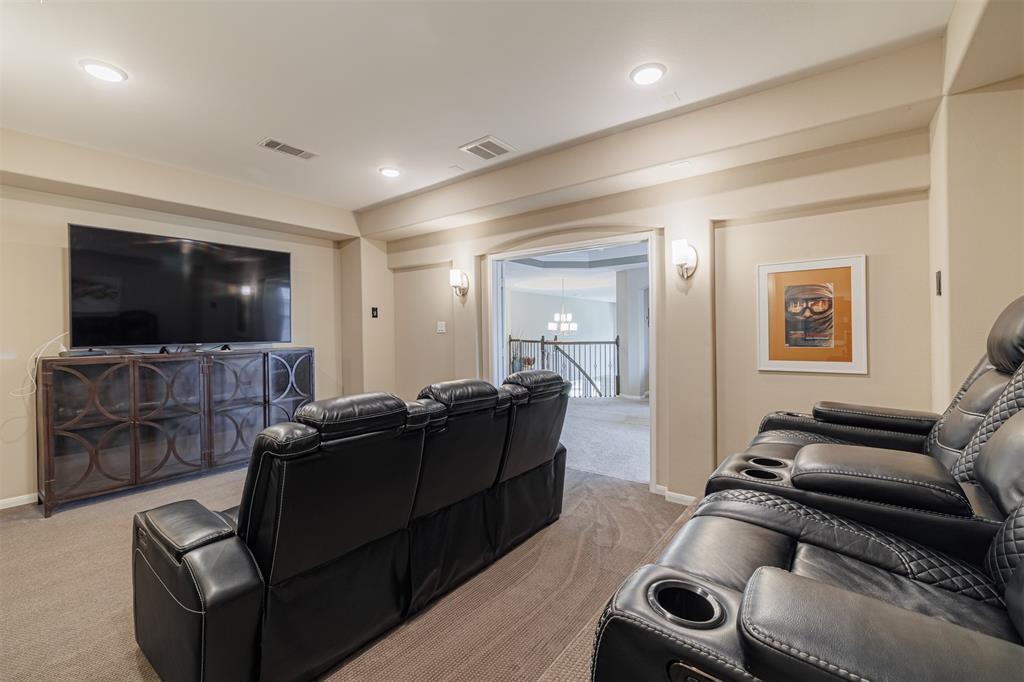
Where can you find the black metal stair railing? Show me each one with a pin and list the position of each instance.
(592, 367)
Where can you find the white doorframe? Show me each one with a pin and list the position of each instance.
(653, 258)
(499, 333)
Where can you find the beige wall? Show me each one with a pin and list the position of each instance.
(417, 312)
(985, 201)
(378, 286)
(881, 170)
(33, 305)
(976, 199)
(893, 238)
(366, 283)
(352, 315)
(976, 223)
(942, 385)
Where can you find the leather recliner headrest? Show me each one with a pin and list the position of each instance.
(353, 415)
(286, 440)
(464, 395)
(516, 395)
(426, 413)
(1006, 340)
(539, 382)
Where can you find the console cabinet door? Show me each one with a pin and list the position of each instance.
(238, 405)
(108, 423)
(90, 438)
(290, 382)
(169, 423)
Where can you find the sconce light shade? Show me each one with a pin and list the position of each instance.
(684, 257)
(459, 282)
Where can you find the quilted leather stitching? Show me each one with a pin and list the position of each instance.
(933, 436)
(919, 563)
(790, 435)
(785, 486)
(1007, 549)
(1010, 402)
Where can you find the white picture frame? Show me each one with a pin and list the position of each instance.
(858, 292)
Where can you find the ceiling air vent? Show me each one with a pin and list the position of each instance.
(279, 146)
(487, 148)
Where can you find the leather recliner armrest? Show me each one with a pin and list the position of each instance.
(891, 477)
(797, 628)
(197, 594)
(184, 526)
(885, 418)
(859, 435)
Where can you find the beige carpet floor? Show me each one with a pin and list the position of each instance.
(65, 591)
(573, 664)
(609, 436)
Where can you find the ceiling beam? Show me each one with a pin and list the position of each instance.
(896, 91)
(46, 165)
(984, 44)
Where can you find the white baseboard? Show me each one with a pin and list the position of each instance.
(678, 498)
(9, 502)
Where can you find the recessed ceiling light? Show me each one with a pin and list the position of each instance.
(105, 72)
(388, 172)
(647, 74)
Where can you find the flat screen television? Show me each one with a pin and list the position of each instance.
(133, 289)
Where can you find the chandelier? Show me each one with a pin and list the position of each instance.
(563, 321)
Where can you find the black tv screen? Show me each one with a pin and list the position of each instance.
(132, 289)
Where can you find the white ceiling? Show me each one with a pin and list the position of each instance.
(399, 84)
(593, 279)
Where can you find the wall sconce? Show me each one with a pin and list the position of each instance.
(459, 282)
(684, 257)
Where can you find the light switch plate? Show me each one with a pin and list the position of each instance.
(442, 327)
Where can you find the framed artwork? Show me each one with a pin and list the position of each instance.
(812, 316)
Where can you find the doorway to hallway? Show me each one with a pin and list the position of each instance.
(584, 313)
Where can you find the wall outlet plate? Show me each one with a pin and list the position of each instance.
(442, 327)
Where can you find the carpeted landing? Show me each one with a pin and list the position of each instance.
(66, 606)
(609, 436)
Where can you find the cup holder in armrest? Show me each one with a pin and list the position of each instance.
(762, 475)
(685, 603)
(770, 462)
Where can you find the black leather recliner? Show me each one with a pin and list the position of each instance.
(533, 469)
(782, 434)
(758, 586)
(333, 543)
(909, 493)
(461, 457)
(912, 493)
